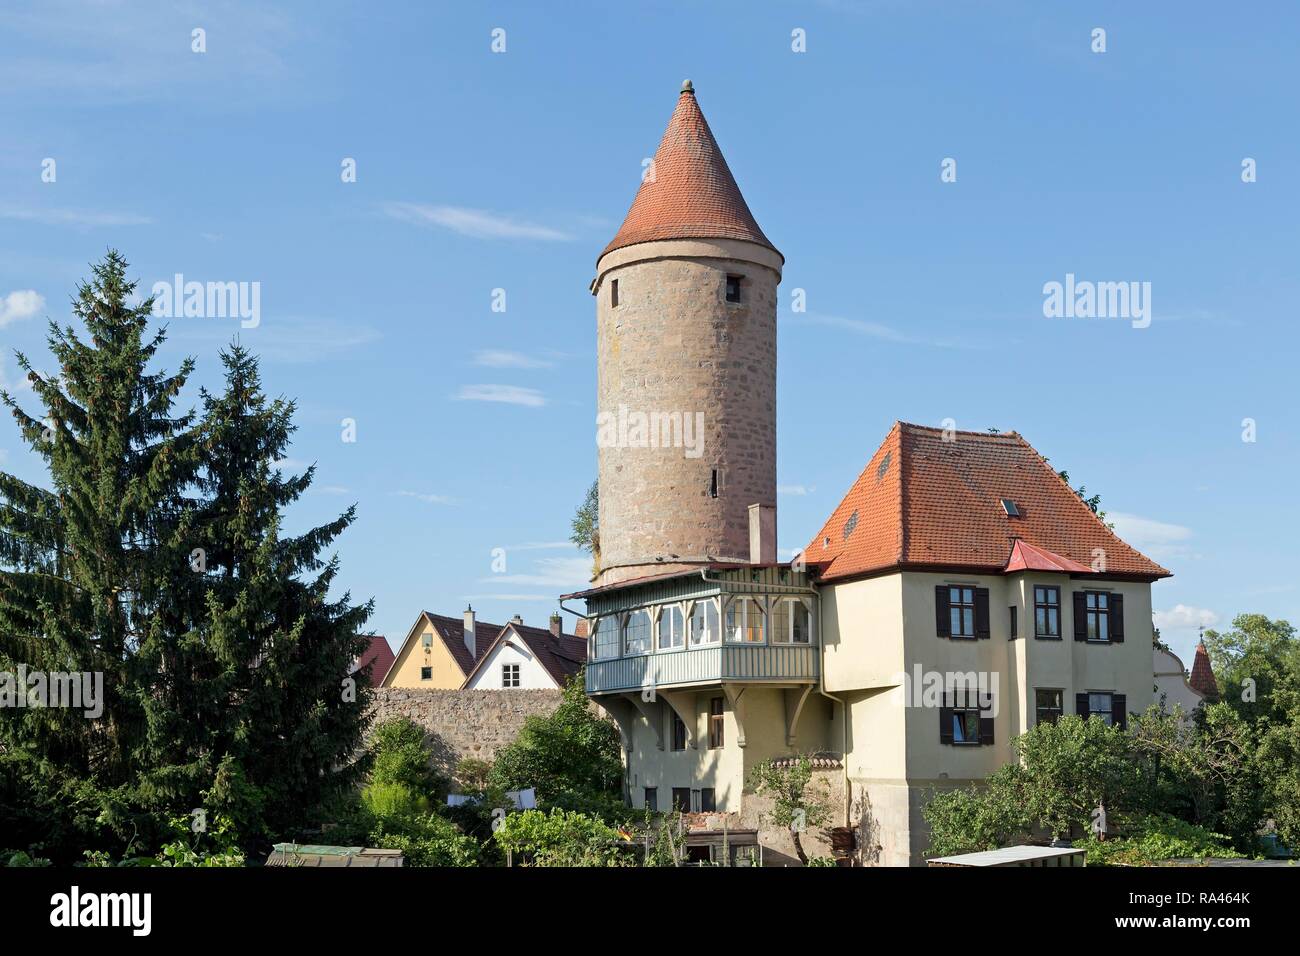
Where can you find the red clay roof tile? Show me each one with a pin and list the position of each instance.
(924, 501)
(692, 194)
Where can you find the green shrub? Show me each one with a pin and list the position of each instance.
(400, 757)
(563, 838)
(425, 839)
(1155, 837)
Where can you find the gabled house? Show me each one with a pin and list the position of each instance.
(451, 653)
(378, 657)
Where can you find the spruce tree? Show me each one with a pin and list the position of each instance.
(92, 568)
(277, 647)
(155, 558)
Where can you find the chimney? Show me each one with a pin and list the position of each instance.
(557, 624)
(517, 620)
(469, 632)
(580, 628)
(762, 534)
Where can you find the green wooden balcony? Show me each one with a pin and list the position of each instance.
(710, 664)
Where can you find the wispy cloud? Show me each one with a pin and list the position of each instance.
(331, 490)
(499, 358)
(1182, 616)
(795, 490)
(508, 597)
(553, 572)
(541, 546)
(1156, 539)
(290, 340)
(428, 499)
(887, 333)
(80, 218)
(509, 394)
(478, 223)
(19, 305)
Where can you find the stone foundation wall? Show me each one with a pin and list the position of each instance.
(465, 723)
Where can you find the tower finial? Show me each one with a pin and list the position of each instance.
(688, 87)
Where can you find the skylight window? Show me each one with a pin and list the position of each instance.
(884, 465)
(850, 525)
(1010, 508)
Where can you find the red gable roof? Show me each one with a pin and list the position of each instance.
(924, 501)
(692, 194)
(1025, 557)
(378, 656)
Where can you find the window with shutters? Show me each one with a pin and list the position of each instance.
(1098, 604)
(1110, 707)
(963, 721)
(1047, 613)
(679, 732)
(652, 799)
(1047, 706)
(716, 724)
(509, 675)
(961, 612)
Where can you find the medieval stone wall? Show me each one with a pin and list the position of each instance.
(465, 723)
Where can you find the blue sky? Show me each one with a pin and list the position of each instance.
(479, 171)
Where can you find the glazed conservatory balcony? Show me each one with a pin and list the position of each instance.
(706, 664)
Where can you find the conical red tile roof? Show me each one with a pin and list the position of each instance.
(1202, 680)
(692, 194)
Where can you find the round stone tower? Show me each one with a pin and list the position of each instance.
(686, 367)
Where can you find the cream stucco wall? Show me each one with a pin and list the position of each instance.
(413, 656)
(877, 633)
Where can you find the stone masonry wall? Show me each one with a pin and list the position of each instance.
(465, 723)
(672, 346)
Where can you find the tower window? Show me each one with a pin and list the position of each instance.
(715, 484)
(733, 288)
(613, 293)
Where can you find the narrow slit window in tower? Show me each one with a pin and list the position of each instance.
(733, 288)
(714, 484)
(613, 293)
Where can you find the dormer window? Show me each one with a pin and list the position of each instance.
(733, 288)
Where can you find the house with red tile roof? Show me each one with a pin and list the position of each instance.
(960, 593)
(453, 653)
(375, 660)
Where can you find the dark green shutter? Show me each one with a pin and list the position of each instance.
(1117, 618)
(986, 731)
(1080, 616)
(1081, 705)
(1014, 624)
(1119, 710)
(982, 612)
(942, 618)
(945, 722)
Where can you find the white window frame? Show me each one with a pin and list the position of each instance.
(645, 647)
(612, 646)
(746, 602)
(713, 637)
(788, 636)
(666, 611)
(507, 671)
